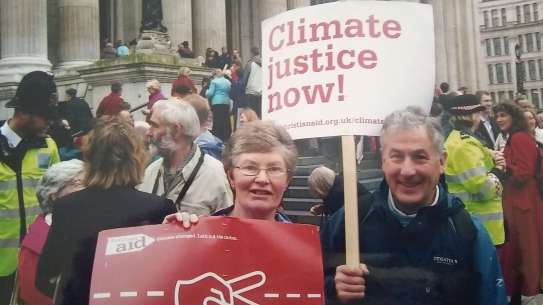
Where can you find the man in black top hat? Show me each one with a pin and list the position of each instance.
(25, 154)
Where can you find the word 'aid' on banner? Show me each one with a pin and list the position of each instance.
(219, 261)
(340, 68)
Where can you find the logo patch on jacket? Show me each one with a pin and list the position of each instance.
(445, 261)
(43, 160)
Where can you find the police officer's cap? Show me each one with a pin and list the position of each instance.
(36, 94)
(465, 104)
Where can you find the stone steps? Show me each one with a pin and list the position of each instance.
(298, 200)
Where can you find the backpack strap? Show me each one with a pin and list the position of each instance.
(464, 226)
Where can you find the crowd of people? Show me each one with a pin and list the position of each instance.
(457, 219)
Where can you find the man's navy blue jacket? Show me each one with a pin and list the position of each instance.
(430, 261)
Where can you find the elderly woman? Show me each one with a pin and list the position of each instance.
(260, 160)
(522, 204)
(472, 170)
(324, 184)
(219, 96)
(59, 180)
(155, 93)
(184, 79)
(114, 165)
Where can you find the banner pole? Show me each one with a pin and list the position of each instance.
(352, 249)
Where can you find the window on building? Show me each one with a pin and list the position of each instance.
(499, 74)
(506, 45)
(485, 18)
(529, 42)
(540, 64)
(494, 16)
(521, 43)
(488, 47)
(504, 17)
(541, 102)
(497, 46)
(536, 13)
(490, 74)
(508, 72)
(531, 70)
(519, 15)
(501, 96)
(527, 13)
(493, 96)
(537, 41)
(511, 95)
(535, 96)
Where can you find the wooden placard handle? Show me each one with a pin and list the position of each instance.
(352, 249)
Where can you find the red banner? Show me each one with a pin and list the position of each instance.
(219, 261)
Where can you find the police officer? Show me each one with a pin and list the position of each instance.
(25, 154)
(472, 171)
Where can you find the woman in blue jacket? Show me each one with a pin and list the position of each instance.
(219, 96)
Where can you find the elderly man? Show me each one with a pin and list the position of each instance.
(418, 243)
(193, 180)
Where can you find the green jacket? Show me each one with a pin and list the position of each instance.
(468, 175)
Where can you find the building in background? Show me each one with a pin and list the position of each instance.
(505, 24)
(65, 35)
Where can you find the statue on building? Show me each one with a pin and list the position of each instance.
(152, 16)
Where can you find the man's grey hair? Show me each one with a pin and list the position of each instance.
(54, 179)
(413, 117)
(178, 113)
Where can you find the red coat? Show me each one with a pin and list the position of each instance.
(521, 157)
(110, 105)
(184, 80)
(523, 211)
(28, 263)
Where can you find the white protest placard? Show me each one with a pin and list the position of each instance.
(340, 68)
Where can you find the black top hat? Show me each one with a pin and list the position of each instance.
(465, 104)
(36, 94)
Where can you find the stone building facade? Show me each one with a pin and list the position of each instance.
(503, 25)
(64, 36)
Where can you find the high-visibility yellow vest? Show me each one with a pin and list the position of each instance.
(467, 172)
(35, 162)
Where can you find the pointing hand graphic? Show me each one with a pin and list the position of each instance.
(211, 289)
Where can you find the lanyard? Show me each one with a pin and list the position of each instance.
(187, 183)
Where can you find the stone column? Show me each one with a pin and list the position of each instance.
(270, 8)
(255, 24)
(79, 32)
(127, 20)
(209, 25)
(23, 34)
(292, 4)
(451, 40)
(440, 42)
(246, 29)
(235, 25)
(178, 19)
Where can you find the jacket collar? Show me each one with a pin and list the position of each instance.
(446, 205)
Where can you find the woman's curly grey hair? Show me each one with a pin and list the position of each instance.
(54, 179)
